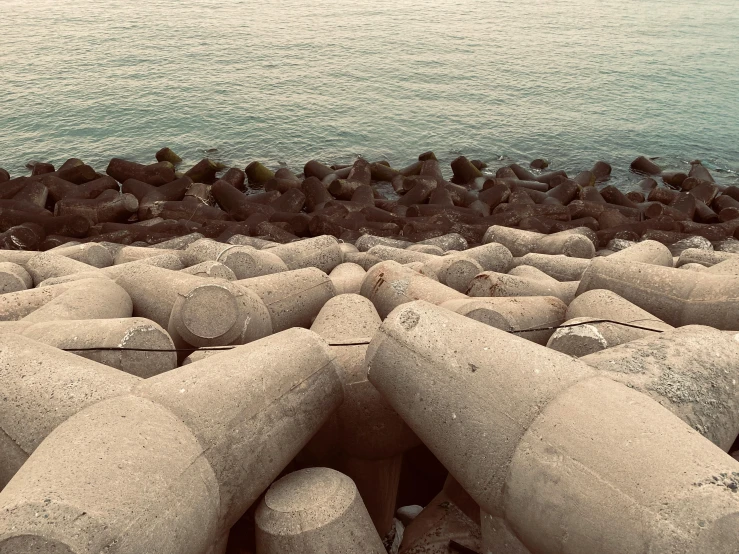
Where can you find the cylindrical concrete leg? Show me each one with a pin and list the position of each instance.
(42, 387)
(561, 268)
(322, 252)
(691, 371)
(674, 296)
(456, 272)
(86, 299)
(698, 256)
(130, 332)
(517, 432)
(646, 252)
(17, 305)
(244, 261)
(315, 510)
(45, 266)
(389, 285)
(13, 278)
(293, 298)
(347, 278)
(514, 314)
(212, 269)
(367, 430)
(171, 467)
(91, 254)
(490, 283)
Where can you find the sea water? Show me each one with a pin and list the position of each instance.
(284, 81)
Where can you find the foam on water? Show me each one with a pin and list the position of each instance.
(286, 80)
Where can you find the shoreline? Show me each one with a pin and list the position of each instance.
(131, 203)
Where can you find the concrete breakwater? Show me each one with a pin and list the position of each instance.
(524, 362)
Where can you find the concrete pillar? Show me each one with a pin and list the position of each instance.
(87, 299)
(91, 254)
(561, 268)
(514, 314)
(321, 252)
(491, 256)
(593, 336)
(44, 265)
(450, 241)
(244, 261)
(366, 242)
(135, 253)
(700, 256)
(347, 278)
(199, 311)
(292, 298)
(646, 252)
(518, 433)
(389, 284)
(13, 278)
(171, 467)
(129, 332)
(42, 388)
(727, 267)
(315, 510)
(691, 371)
(497, 536)
(490, 283)
(212, 269)
(674, 296)
(521, 242)
(367, 430)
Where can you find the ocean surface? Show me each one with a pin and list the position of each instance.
(284, 81)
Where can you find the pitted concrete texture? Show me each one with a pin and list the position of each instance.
(293, 298)
(14, 277)
(692, 371)
(674, 296)
(515, 424)
(42, 387)
(540, 314)
(347, 278)
(389, 285)
(490, 283)
(244, 261)
(320, 252)
(561, 268)
(129, 333)
(647, 252)
(315, 510)
(211, 268)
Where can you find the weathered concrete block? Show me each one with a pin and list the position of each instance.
(315, 510)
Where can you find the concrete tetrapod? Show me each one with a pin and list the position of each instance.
(533, 283)
(561, 268)
(675, 296)
(514, 314)
(85, 299)
(703, 257)
(292, 298)
(347, 278)
(211, 268)
(453, 271)
(521, 242)
(315, 510)
(675, 368)
(13, 277)
(197, 310)
(129, 332)
(515, 424)
(244, 261)
(17, 305)
(371, 436)
(589, 334)
(91, 254)
(389, 284)
(41, 388)
(321, 252)
(171, 467)
(647, 252)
